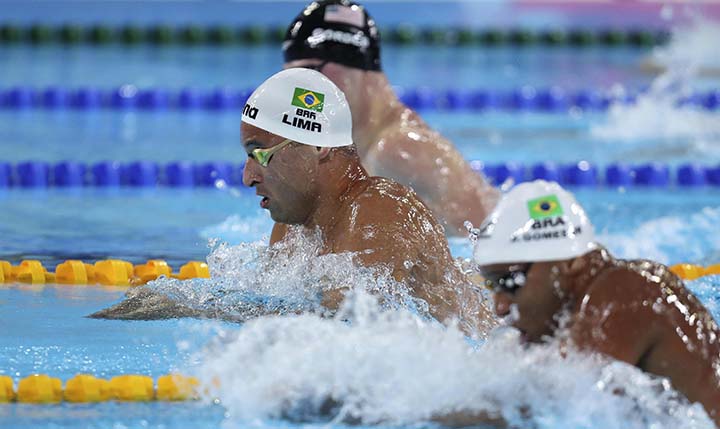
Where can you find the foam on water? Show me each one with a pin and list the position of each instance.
(671, 239)
(707, 289)
(379, 364)
(238, 229)
(691, 46)
(252, 279)
(390, 367)
(659, 113)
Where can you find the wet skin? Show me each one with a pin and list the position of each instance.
(394, 142)
(384, 223)
(637, 312)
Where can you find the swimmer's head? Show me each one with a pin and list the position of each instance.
(526, 248)
(534, 222)
(290, 124)
(337, 31)
(301, 105)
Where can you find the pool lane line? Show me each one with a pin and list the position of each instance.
(520, 99)
(82, 388)
(115, 272)
(400, 35)
(220, 174)
(109, 272)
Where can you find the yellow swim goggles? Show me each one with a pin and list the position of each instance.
(263, 156)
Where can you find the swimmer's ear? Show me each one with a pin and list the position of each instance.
(323, 152)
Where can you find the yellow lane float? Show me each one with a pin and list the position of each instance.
(111, 272)
(85, 388)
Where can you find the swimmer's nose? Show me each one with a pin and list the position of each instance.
(251, 173)
(502, 304)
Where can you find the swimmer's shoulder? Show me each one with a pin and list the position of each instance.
(620, 283)
(389, 192)
(385, 202)
(616, 316)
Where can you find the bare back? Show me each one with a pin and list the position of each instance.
(388, 226)
(641, 313)
(407, 150)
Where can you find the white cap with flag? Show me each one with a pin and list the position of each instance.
(534, 222)
(302, 105)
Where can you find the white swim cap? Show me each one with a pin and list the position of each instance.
(301, 105)
(534, 222)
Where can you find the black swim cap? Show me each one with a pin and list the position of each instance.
(339, 31)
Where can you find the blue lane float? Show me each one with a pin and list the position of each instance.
(106, 174)
(32, 174)
(713, 175)
(180, 174)
(53, 98)
(5, 175)
(549, 100)
(619, 175)
(652, 174)
(546, 171)
(86, 99)
(69, 174)
(691, 175)
(185, 174)
(580, 174)
(140, 174)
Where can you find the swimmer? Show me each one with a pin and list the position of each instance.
(339, 39)
(297, 132)
(538, 253)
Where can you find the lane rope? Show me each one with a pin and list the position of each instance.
(44, 389)
(115, 272)
(520, 99)
(183, 174)
(109, 272)
(402, 35)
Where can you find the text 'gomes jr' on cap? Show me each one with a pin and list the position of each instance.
(534, 222)
(301, 105)
(334, 30)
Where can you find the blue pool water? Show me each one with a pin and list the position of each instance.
(42, 329)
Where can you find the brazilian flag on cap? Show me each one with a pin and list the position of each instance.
(547, 206)
(307, 99)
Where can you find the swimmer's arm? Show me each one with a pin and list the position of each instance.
(278, 233)
(612, 319)
(452, 190)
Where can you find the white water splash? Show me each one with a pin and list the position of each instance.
(671, 239)
(659, 113)
(252, 279)
(392, 368)
(657, 116)
(238, 229)
(691, 47)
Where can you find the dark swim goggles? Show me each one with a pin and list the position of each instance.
(508, 281)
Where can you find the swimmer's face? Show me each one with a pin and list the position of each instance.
(537, 301)
(287, 184)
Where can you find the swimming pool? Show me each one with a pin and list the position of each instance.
(44, 331)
